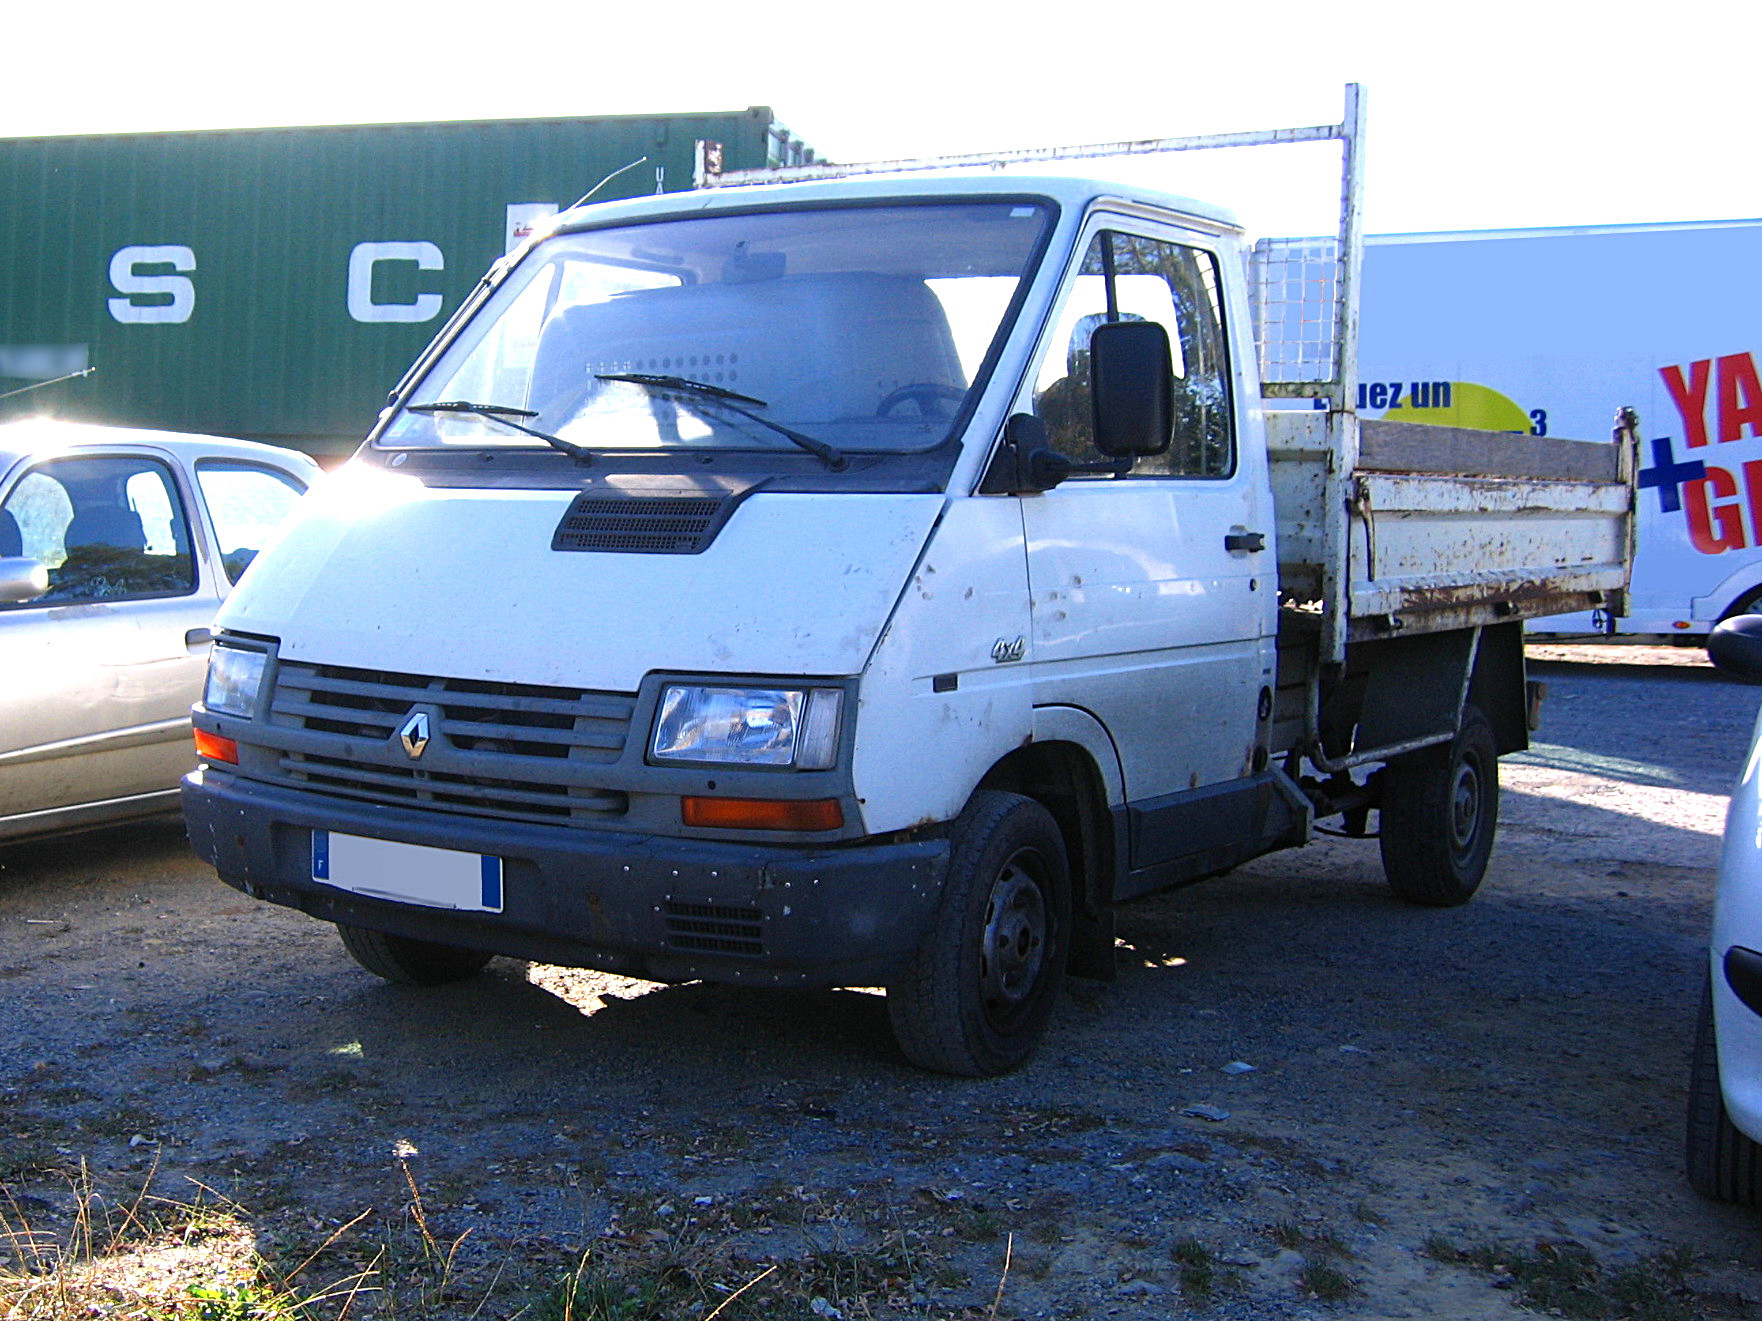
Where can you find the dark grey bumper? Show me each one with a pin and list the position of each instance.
(642, 905)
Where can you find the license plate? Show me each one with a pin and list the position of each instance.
(408, 873)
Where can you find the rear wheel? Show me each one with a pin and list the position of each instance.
(1440, 809)
(980, 989)
(410, 962)
(1723, 1163)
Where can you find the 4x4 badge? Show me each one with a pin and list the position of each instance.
(1004, 650)
(413, 734)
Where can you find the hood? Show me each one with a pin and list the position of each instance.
(380, 572)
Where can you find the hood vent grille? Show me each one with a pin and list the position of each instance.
(643, 524)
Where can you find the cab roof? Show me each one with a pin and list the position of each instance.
(1069, 192)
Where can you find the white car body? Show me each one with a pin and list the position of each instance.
(1725, 1092)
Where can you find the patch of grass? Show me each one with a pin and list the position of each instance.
(1298, 1238)
(239, 1302)
(146, 1257)
(141, 1258)
(592, 1293)
(1324, 1280)
(1198, 1269)
(1322, 1275)
(1565, 1278)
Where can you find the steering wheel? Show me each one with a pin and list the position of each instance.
(925, 394)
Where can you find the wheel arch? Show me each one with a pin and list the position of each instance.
(1722, 600)
(1063, 774)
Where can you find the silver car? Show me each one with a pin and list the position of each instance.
(116, 549)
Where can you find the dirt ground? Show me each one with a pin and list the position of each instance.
(1441, 1105)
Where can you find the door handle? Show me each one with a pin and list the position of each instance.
(1245, 541)
(198, 637)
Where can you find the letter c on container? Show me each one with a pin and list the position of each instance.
(366, 256)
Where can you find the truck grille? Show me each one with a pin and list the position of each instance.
(518, 751)
(715, 928)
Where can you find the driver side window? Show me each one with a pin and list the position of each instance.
(1125, 277)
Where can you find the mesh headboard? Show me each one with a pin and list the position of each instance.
(816, 348)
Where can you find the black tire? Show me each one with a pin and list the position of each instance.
(1440, 811)
(1723, 1163)
(977, 996)
(410, 962)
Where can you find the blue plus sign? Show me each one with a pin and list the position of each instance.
(1668, 475)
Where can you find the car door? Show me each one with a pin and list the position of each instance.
(100, 670)
(1153, 591)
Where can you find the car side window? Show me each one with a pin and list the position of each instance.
(246, 504)
(1125, 277)
(107, 528)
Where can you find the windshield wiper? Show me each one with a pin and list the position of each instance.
(726, 399)
(680, 383)
(505, 414)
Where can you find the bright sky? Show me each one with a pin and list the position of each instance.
(1501, 113)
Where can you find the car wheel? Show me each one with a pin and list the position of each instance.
(977, 995)
(410, 962)
(1723, 1163)
(1440, 809)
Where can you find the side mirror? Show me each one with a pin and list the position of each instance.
(1026, 463)
(1132, 387)
(22, 579)
(1735, 646)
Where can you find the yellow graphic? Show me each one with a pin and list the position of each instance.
(1470, 405)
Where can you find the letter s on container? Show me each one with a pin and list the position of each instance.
(365, 256)
(126, 280)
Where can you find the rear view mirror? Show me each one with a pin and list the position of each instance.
(1132, 383)
(22, 579)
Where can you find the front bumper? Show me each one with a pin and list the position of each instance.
(645, 906)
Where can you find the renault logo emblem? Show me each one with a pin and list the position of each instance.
(413, 734)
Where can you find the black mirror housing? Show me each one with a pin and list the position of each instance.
(1132, 388)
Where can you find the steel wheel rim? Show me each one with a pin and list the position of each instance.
(1012, 952)
(1465, 805)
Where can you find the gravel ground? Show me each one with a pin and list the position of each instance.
(1441, 1105)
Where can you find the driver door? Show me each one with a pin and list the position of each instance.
(1153, 593)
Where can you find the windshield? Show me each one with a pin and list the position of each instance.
(858, 328)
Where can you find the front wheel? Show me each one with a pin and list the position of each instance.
(410, 962)
(1440, 808)
(977, 996)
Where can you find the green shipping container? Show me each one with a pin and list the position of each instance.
(275, 283)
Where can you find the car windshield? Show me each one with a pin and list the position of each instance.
(857, 328)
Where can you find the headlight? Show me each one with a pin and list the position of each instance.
(749, 726)
(234, 676)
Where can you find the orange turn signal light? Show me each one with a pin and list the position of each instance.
(213, 747)
(763, 813)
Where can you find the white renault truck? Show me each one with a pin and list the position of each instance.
(874, 579)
